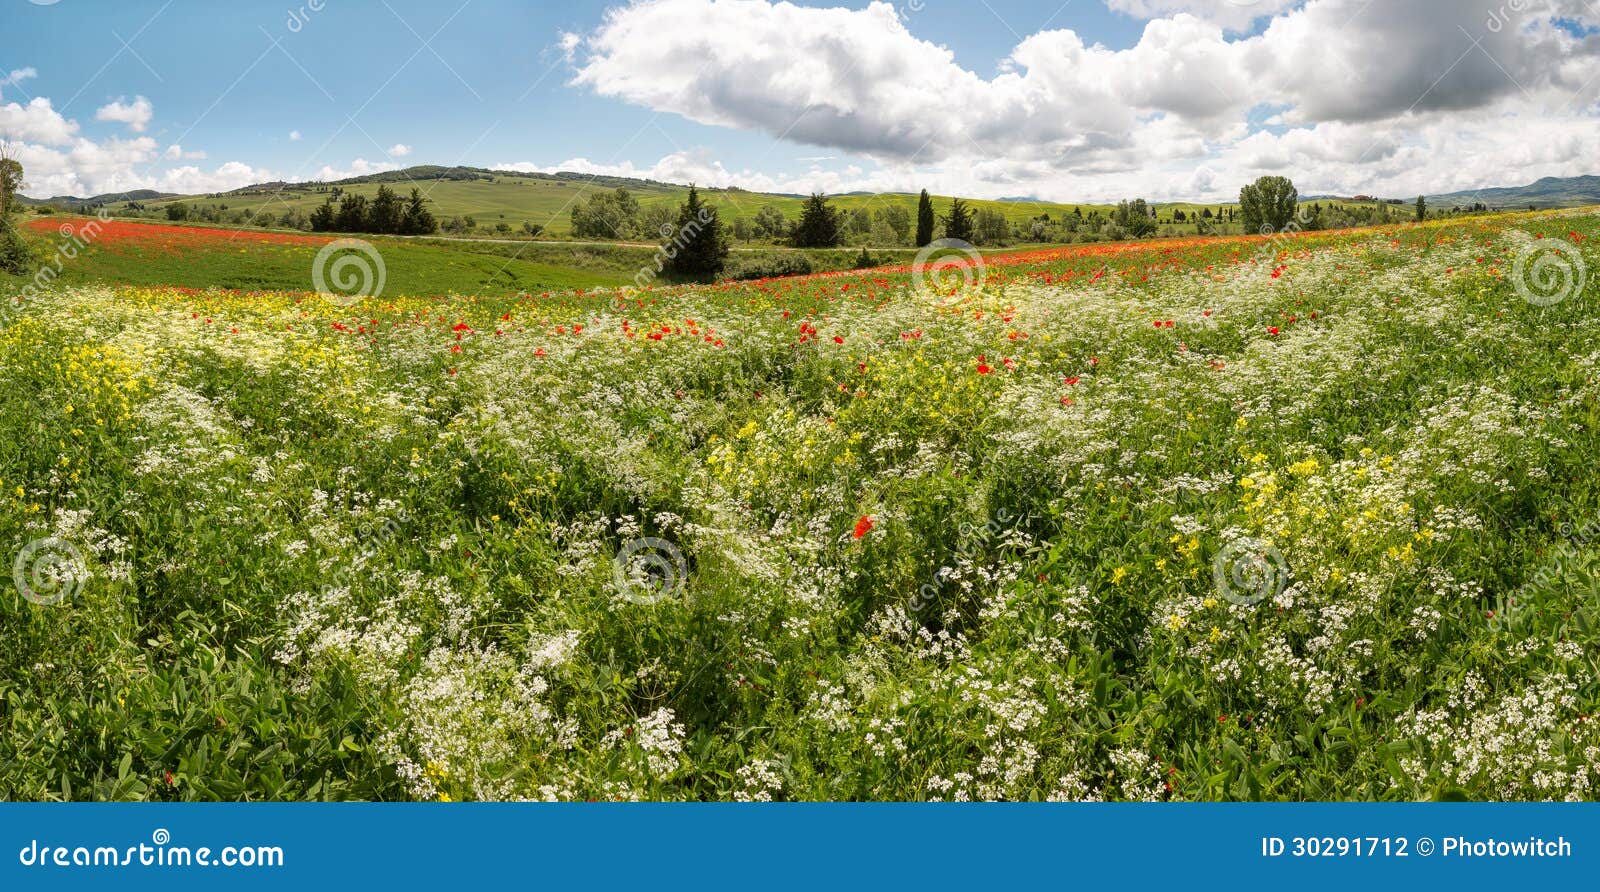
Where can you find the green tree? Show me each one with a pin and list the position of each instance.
(924, 220)
(15, 254)
(860, 222)
(353, 215)
(657, 220)
(897, 219)
(959, 223)
(388, 212)
(417, 219)
(10, 182)
(819, 224)
(613, 216)
(1422, 209)
(1268, 204)
(1134, 218)
(322, 219)
(992, 227)
(771, 223)
(177, 211)
(698, 247)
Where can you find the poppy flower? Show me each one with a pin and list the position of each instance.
(863, 526)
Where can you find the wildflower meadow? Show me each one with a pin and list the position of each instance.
(1273, 518)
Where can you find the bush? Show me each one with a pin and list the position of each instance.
(16, 255)
(770, 266)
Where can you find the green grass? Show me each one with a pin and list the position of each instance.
(231, 257)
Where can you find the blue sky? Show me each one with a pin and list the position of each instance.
(479, 84)
(1074, 100)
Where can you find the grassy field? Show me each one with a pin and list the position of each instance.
(1289, 518)
(548, 202)
(244, 259)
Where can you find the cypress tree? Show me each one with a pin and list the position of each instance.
(924, 220)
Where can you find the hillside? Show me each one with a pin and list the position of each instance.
(496, 196)
(493, 197)
(74, 203)
(1549, 192)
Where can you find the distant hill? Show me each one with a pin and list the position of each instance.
(1550, 192)
(494, 197)
(491, 197)
(74, 203)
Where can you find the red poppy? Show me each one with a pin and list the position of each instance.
(863, 526)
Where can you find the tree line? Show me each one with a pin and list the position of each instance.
(386, 214)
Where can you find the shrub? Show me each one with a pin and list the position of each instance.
(16, 255)
(770, 266)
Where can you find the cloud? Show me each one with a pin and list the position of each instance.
(37, 122)
(1235, 15)
(294, 136)
(1354, 91)
(358, 168)
(191, 180)
(399, 150)
(569, 43)
(86, 167)
(176, 153)
(17, 76)
(136, 115)
(679, 167)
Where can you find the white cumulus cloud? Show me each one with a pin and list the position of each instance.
(136, 114)
(1354, 91)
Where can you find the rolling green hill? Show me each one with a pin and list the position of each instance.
(493, 197)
